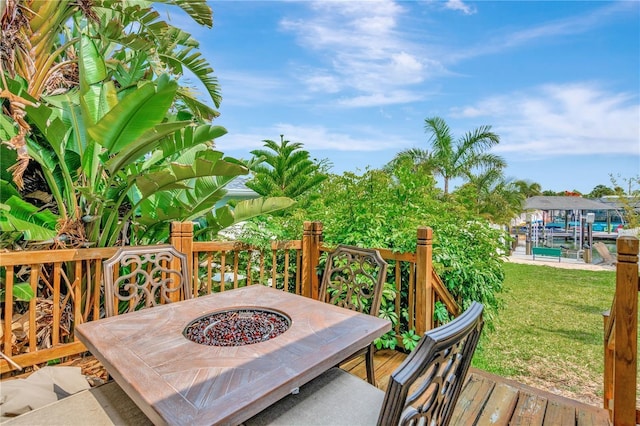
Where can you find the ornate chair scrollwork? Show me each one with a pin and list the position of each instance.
(139, 277)
(354, 278)
(426, 386)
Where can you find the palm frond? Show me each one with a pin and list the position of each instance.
(199, 10)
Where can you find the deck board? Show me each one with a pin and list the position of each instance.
(558, 414)
(530, 410)
(490, 399)
(499, 406)
(471, 402)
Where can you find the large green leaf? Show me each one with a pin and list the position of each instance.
(206, 194)
(21, 292)
(135, 14)
(91, 63)
(19, 215)
(225, 216)
(92, 73)
(135, 72)
(78, 141)
(199, 10)
(51, 127)
(7, 128)
(190, 137)
(198, 66)
(7, 159)
(7, 191)
(207, 163)
(134, 115)
(97, 101)
(247, 209)
(163, 207)
(146, 143)
(198, 108)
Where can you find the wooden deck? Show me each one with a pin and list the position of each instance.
(488, 399)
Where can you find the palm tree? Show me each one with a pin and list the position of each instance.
(420, 160)
(492, 197)
(528, 188)
(458, 158)
(286, 170)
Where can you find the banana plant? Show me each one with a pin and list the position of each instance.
(40, 37)
(113, 159)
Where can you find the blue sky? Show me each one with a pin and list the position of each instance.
(354, 81)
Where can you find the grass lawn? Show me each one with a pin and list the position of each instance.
(549, 333)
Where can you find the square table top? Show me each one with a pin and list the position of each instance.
(176, 381)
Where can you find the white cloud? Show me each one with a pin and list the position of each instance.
(313, 137)
(324, 82)
(572, 25)
(554, 119)
(243, 88)
(461, 6)
(381, 99)
(365, 56)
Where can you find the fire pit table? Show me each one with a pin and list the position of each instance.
(222, 358)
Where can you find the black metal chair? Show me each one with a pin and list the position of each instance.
(354, 278)
(144, 276)
(422, 391)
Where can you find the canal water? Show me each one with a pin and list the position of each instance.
(571, 247)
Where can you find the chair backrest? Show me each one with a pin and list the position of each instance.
(425, 388)
(354, 278)
(144, 276)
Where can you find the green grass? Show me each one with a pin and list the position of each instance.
(549, 333)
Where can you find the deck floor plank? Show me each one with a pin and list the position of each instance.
(530, 410)
(494, 400)
(500, 406)
(559, 414)
(472, 401)
(590, 418)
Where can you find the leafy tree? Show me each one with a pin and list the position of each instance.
(285, 170)
(379, 209)
(600, 191)
(458, 158)
(629, 198)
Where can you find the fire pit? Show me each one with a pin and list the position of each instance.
(178, 382)
(237, 327)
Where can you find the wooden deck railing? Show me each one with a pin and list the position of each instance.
(295, 266)
(621, 338)
(68, 285)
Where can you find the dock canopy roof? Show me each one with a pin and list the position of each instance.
(564, 203)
